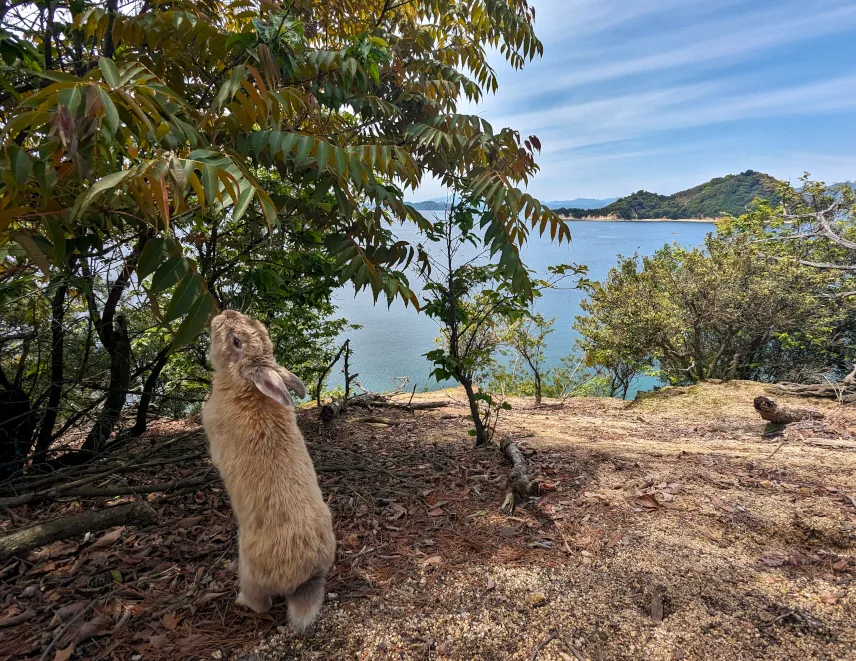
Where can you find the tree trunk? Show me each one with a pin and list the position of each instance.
(26, 539)
(772, 412)
(537, 389)
(148, 391)
(120, 377)
(481, 432)
(57, 370)
(518, 485)
(17, 421)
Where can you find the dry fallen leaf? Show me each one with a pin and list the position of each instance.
(831, 598)
(171, 620)
(773, 561)
(648, 501)
(615, 541)
(64, 655)
(157, 640)
(108, 539)
(490, 584)
(98, 626)
(433, 560)
(436, 512)
(840, 565)
(190, 521)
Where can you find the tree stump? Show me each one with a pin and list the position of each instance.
(772, 412)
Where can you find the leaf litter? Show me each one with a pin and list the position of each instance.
(753, 558)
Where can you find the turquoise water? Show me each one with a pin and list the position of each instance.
(392, 341)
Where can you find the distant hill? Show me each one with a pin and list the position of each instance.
(729, 195)
(581, 203)
(429, 205)
(438, 204)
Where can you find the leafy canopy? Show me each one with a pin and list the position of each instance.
(138, 120)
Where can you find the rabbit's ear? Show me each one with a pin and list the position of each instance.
(269, 381)
(292, 382)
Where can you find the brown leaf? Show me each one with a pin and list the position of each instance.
(648, 501)
(64, 655)
(209, 596)
(490, 584)
(773, 560)
(436, 512)
(831, 598)
(66, 611)
(171, 620)
(158, 640)
(98, 626)
(108, 539)
(718, 502)
(615, 540)
(190, 521)
(840, 565)
(433, 560)
(12, 620)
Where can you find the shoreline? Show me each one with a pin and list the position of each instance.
(641, 220)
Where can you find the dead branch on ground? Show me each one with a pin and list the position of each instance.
(26, 539)
(518, 484)
(770, 411)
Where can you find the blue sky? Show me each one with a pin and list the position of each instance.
(664, 94)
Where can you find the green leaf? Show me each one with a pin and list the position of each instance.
(168, 274)
(109, 72)
(111, 115)
(70, 98)
(195, 322)
(244, 201)
(57, 235)
(35, 253)
(150, 257)
(22, 165)
(184, 297)
(209, 184)
(323, 156)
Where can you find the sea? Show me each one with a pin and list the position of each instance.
(392, 340)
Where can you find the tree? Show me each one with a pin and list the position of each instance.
(721, 311)
(140, 143)
(474, 300)
(527, 337)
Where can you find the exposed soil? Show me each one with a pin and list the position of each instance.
(677, 527)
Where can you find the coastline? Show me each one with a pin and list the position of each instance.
(641, 220)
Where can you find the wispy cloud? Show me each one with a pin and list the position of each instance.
(658, 93)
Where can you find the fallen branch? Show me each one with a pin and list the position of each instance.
(130, 490)
(518, 485)
(334, 408)
(26, 539)
(375, 420)
(844, 392)
(772, 412)
(418, 406)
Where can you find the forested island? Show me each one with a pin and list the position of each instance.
(722, 196)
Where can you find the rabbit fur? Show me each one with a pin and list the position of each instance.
(285, 540)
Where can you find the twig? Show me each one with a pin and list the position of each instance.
(770, 456)
(64, 630)
(540, 646)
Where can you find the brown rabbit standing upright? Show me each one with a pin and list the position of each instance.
(286, 543)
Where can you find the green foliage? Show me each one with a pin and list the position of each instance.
(162, 161)
(723, 196)
(721, 311)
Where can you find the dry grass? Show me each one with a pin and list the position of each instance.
(677, 527)
(753, 552)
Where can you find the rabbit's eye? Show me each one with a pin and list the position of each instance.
(236, 341)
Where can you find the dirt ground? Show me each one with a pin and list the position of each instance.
(680, 526)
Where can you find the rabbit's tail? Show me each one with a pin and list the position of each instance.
(305, 602)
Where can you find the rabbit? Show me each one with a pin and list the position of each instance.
(286, 543)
